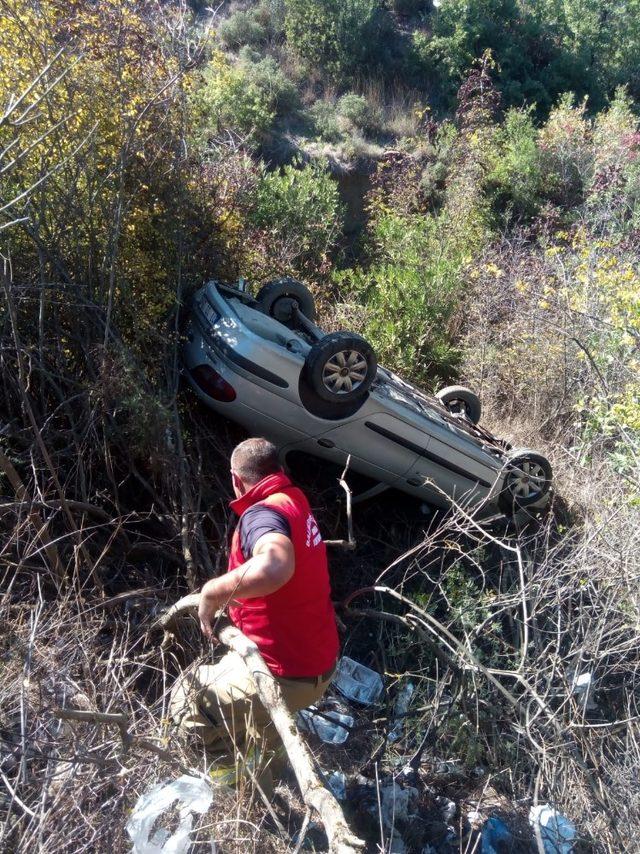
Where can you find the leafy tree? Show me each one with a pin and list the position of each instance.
(106, 218)
(542, 49)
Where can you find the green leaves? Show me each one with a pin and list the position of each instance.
(299, 207)
(340, 37)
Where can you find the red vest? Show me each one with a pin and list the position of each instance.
(295, 627)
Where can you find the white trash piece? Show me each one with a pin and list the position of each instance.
(582, 687)
(330, 727)
(396, 802)
(401, 708)
(192, 794)
(357, 682)
(556, 831)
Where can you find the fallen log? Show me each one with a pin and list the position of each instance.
(314, 793)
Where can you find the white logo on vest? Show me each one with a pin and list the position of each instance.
(313, 533)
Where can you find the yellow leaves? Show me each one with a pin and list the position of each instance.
(494, 270)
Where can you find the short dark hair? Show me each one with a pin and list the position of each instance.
(254, 459)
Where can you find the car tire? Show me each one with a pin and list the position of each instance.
(341, 367)
(277, 299)
(459, 399)
(527, 480)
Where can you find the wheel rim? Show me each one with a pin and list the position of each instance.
(344, 372)
(457, 406)
(527, 480)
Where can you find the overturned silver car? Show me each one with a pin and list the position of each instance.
(263, 363)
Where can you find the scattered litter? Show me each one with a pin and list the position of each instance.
(448, 768)
(357, 682)
(401, 708)
(397, 843)
(447, 808)
(582, 686)
(408, 774)
(330, 727)
(395, 801)
(556, 831)
(495, 835)
(337, 784)
(474, 818)
(192, 794)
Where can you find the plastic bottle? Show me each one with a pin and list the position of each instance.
(357, 682)
(330, 727)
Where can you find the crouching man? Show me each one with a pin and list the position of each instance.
(277, 592)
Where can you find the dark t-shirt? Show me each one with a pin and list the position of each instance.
(258, 521)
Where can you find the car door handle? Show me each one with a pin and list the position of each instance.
(414, 481)
(326, 443)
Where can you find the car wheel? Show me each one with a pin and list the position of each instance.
(527, 480)
(341, 367)
(461, 401)
(277, 299)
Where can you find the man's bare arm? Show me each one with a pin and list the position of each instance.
(270, 567)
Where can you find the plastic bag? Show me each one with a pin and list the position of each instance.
(357, 682)
(330, 727)
(496, 836)
(400, 711)
(556, 831)
(192, 794)
(337, 784)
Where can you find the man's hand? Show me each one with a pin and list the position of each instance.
(210, 602)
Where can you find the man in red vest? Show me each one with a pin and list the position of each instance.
(277, 593)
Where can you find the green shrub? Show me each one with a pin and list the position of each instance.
(566, 152)
(613, 194)
(228, 98)
(516, 178)
(274, 11)
(410, 294)
(341, 37)
(246, 97)
(242, 28)
(248, 55)
(518, 36)
(325, 121)
(355, 112)
(267, 76)
(299, 213)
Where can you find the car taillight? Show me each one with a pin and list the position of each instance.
(213, 384)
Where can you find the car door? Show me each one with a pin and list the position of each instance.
(452, 462)
(381, 446)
